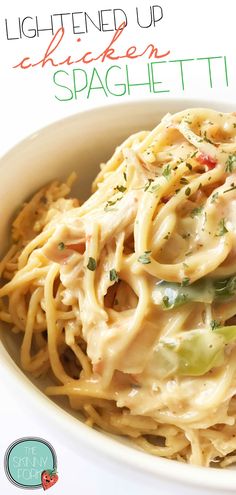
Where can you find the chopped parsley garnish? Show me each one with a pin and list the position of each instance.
(154, 188)
(111, 203)
(189, 166)
(92, 264)
(125, 175)
(151, 188)
(120, 188)
(61, 246)
(194, 154)
(166, 172)
(196, 211)
(165, 301)
(188, 191)
(145, 258)
(147, 185)
(214, 197)
(206, 139)
(214, 324)
(222, 228)
(113, 275)
(183, 180)
(179, 300)
(231, 189)
(230, 163)
(185, 281)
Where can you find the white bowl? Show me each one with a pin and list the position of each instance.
(80, 143)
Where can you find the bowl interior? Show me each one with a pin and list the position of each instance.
(79, 143)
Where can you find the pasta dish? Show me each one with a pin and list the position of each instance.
(128, 300)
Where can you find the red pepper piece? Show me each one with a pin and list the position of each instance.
(79, 247)
(207, 160)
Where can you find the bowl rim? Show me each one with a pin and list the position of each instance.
(96, 441)
(193, 102)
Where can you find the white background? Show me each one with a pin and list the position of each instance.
(188, 29)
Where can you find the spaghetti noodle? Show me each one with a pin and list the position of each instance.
(129, 299)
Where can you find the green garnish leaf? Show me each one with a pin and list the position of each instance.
(166, 172)
(145, 258)
(196, 211)
(231, 189)
(185, 281)
(111, 203)
(183, 180)
(120, 188)
(188, 191)
(147, 185)
(113, 275)
(230, 163)
(207, 139)
(222, 228)
(214, 197)
(165, 301)
(92, 264)
(172, 298)
(61, 246)
(214, 324)
(154, 188)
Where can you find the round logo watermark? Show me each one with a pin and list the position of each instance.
(31, 462)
